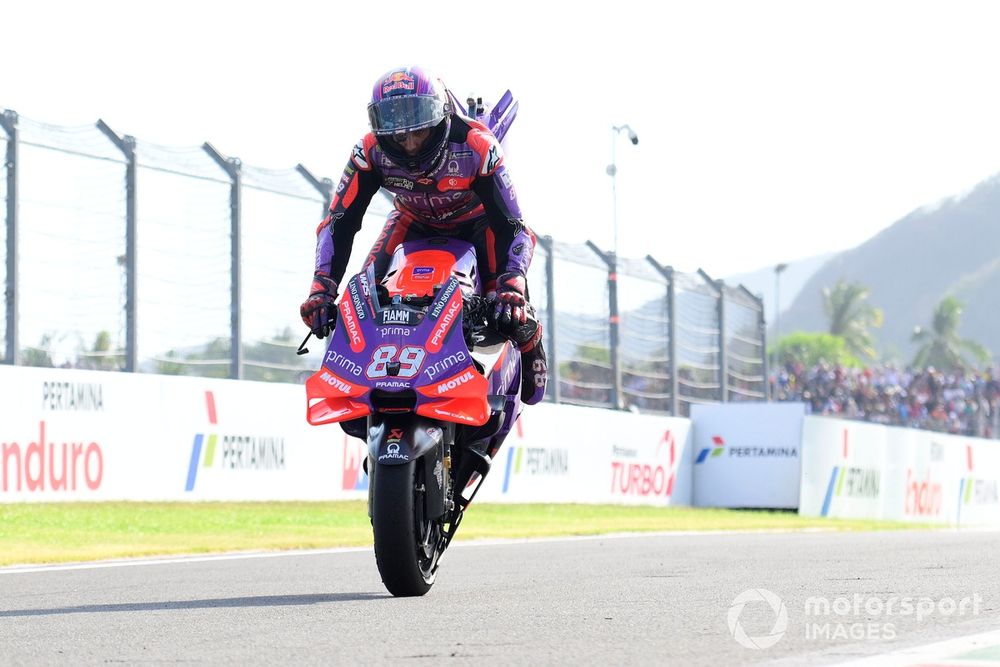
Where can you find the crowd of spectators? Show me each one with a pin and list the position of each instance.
(964, 402)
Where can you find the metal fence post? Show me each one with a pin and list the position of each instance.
(550, 322)
(762, 332)
(614, 323)
(719, 288)
(9, 123)
(232, 167)
(126, 145)
(723, 344)
(668, 274)
(323, 186)
(675, 385)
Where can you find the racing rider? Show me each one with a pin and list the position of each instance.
(448, 174)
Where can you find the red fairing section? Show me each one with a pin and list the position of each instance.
(351, 325)
(420, 273)
(460, 398)
(449, 316)
(331, 398)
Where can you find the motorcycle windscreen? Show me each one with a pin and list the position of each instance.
(417, 273)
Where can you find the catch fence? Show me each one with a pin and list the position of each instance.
(123, 255)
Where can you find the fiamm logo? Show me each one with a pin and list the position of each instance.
(715, 451)
(239, 452)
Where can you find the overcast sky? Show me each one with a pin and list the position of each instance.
(769, 131)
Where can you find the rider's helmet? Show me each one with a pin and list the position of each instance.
(406, 99)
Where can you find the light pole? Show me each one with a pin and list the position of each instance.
(613, 173)
(778, 269)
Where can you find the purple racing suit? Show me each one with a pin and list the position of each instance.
(467, 194)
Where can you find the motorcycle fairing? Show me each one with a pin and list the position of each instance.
(338, 391)
(333, 399)
(394, 348)
(421, 264)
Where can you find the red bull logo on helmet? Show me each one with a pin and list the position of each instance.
(398, 81)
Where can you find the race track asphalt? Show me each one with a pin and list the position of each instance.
(642, 600)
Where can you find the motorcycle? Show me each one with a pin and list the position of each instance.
(415, 367)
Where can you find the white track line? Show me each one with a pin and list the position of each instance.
(940, 653)
(181, 560)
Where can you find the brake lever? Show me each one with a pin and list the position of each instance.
(302, 347)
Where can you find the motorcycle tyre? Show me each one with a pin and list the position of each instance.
(394, 523)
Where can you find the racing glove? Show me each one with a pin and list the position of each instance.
(511, 308)
(319, 311)
(514, 317)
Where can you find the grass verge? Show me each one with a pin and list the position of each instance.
(62, 532)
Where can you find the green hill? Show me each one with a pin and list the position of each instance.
(952, 248)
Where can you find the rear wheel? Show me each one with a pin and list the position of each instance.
(406, 544)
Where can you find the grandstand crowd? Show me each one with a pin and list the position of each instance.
(963, 402)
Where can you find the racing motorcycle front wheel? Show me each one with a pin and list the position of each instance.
(407, 546)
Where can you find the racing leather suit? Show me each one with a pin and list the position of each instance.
(467, 195)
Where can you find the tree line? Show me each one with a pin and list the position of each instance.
(848, 340)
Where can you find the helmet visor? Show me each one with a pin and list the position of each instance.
(403, 114)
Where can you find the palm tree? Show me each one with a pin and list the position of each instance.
(941, 347)
(851, 316)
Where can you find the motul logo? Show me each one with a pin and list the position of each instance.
(456, 382)
(334, 381)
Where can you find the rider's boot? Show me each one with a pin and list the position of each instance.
(534, 367)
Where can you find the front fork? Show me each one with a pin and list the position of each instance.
(445, 489)
(399, 440)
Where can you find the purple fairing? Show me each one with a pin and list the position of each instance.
(502, 116)
(408, 334)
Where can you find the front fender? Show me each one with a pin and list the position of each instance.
(395, 442)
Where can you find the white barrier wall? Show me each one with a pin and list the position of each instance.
(87, 435)
(747, 454)
(857, 470)
(843, 469)
(565, 453)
